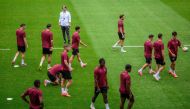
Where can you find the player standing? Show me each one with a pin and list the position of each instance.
(159, 56)
(35, 96)
(47, 45)
(101, 83)
(53, 74)
(21, 44)
(148, 46)
(65, 23)
(173, 45)
(121, 33)
(66, 73)
(75, 46)
(125, 88)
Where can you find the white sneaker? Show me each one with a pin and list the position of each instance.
(24, 64)
(83, 65)
(122, 50)
(156, 77)
(92, 106)
(48, 67)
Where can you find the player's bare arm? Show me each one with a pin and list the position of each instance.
(23, 96)
(67, 64)
(25, 41)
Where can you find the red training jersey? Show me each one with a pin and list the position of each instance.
(120, 25)
(173, 45)
(148, 46)
(158, 47)
(100, 74)
(75, 40)
(34, 95)
(20, 37)
(47, 36)
(55, 69)
(125, 80)
(64, 56)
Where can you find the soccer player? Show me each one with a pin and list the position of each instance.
(53, 74)
(173, 45)
(47, 46)
(66, 73)
(75, 46)
(121, 33)
(159, 56)
(148, 46)
(101, 83)
(35, 96)
(65, 23)
(21, 44)
(125, 88)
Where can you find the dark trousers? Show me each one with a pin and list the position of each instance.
(65, 30)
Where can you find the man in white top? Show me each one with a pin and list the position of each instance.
(65, 23)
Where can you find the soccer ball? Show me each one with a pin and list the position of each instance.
(185, 49)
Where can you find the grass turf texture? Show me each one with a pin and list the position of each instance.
(98, 21)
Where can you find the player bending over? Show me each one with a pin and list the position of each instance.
(173, 45)
(53, 74)
(75, 46)
(121, 33)
(101, 84)
(125, 88)
(159, 56)
(47, 46)
(21, 44)
(35, 96)
(66, 73)
(148, 46)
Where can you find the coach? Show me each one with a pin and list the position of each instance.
(65, 23)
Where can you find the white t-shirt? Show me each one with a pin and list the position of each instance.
(65, 18)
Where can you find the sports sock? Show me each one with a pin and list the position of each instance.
(140, 69)
(66, 89)
(22, 62)
(49, 66)
(62, 90)
(81, 63)
(107, 106)
(48, 81)
(41, 62)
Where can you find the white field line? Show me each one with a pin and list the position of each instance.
(187, 45)
(130, 46)
(4, 49)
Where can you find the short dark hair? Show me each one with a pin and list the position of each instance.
(64, 6)
(127, 66)
(160, 35)
(121, 16)
(21, 25)
(77, 28)
(101, 60)
(48, 25)
(174, 33)
(37, 83)
(151, 36)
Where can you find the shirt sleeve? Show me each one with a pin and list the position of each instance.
(26, 93)
(162, 47)
(128, 81)
(24, 34)
(169, 44)
(60, 17)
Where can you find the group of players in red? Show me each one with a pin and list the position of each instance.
(158, 46)
(61, 73)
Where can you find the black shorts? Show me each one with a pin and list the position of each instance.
(47, 51)
(124, 95)
(102, 90)
(75, 51)
(121, 37)
(148, 60)
(173, 59)
(51, 77)
(160, 61)
(66, 75)
(21, 49)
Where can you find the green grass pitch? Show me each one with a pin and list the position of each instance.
(98, 21)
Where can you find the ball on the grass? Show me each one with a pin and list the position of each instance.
(185, 49)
